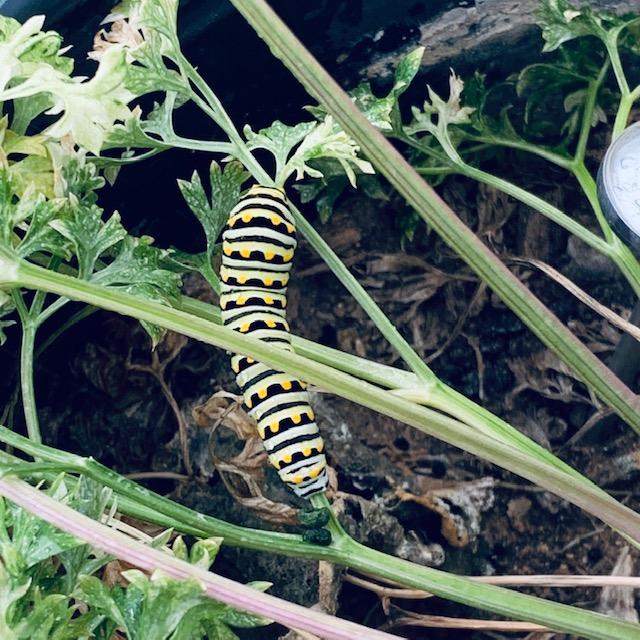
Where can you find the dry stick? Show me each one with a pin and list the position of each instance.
(149, 559)
(563, 581)
(583, 296)
(392, 165)
(444, 622)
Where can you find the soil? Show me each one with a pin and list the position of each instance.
(398, 490)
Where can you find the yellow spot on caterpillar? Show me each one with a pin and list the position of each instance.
(286, 385)
(241, 279)
(306, 452)
(290, 228)
(275, 427)
(250, 360)
(246, 217)
(286, 458)
(274, 219)
(262, 393)
(226, 248)
(296, 418)
(248, 402)
(320, 447)
(310, 414)
(288, 256)
(232, 222)
(245, 253)
(223, 304)
(268, 300)
(297, 479)
(235, 366)
(268, 281)
(314, 473)
(268, 255)
(240, 300)
(244, 327)
(270, 323)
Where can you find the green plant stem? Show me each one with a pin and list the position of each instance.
(538, 150)
(587, 113)
(622, 116)
(138, 502)
(403, 383)
(390, 163)
(618, 251)
(575, 490)
(588, 185)
(29, 329)
(627, 96)
(26, 380)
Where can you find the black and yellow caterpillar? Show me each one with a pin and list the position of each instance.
(258, 243)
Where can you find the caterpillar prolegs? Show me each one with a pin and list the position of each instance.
(258, 243)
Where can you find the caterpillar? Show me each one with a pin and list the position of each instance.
(258, 244)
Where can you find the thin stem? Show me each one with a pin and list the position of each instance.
(432, 422)
(26, 380)
(538, 150)
(587, 113)
(588, 184)
(29, 329)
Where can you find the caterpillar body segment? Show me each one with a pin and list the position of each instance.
(258, 244)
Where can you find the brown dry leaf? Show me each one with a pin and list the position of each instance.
(243, 474)
(620, 601)
(460, 507)
(112, 573)
(545, 374)
(225, 407)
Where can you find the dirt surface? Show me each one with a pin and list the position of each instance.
(102, 393)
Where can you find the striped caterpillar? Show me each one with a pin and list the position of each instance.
(258, 243)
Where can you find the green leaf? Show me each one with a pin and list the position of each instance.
(165, 602)
(181, 261)
(41, 234)
(160, 16)
(81, 178)
(89, 236)
(88, 109)
(327, 140)
(95, 593)
(451, 112)
(378, 110)
(406, 71)
(279, 139)
(150, 72)
(130, 134)
(225, 191)
(204, 552)
(137, 269)
(33, 170)
(561, 21)
(35, 540)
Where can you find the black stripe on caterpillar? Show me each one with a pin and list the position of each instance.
(258, 244)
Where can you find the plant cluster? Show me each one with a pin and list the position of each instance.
(63, 137)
